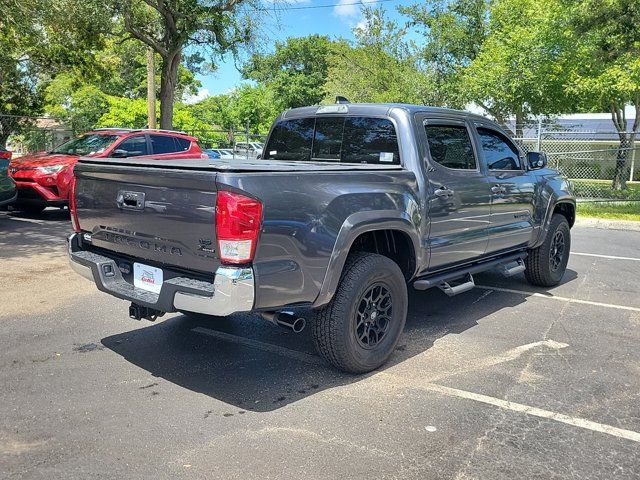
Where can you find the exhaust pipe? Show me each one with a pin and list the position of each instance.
(286, 320)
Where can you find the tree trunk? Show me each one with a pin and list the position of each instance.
(168, 83)
(519, 123)
(620, 175)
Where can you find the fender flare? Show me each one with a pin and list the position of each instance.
(554, 201)
(355, 225)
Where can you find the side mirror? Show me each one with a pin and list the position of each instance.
(118, 153)
(536, 160)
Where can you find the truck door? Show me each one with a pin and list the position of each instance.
(458, 194)
(512, 190)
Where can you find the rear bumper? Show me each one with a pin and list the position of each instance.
(232, 290)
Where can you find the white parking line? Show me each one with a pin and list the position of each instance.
(562, 299)
(452, 392)
(536, 412)
(610, 257)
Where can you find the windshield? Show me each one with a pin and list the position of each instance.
(91, 144)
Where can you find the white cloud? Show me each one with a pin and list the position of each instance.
(362, 25)
(346, 9)
(201, 95)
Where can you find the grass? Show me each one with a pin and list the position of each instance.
(610, 210)
(591, 188)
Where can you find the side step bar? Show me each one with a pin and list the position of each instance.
(509, 265)
(452, 290)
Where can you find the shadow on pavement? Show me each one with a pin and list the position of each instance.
(23, 234)
(253, 379)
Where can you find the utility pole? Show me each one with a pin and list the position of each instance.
(151, 89)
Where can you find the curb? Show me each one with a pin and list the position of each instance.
(628, 225)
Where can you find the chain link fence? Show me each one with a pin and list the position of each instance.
(591, 160)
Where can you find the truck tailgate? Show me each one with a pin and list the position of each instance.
(158, 212)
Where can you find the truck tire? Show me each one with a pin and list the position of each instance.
(547, 263)
(359, 329)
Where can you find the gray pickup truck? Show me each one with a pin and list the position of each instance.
(350, 204)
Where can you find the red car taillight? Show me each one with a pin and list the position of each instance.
(238, 221)
(72, 206)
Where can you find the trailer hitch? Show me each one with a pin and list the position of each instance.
(138, 312)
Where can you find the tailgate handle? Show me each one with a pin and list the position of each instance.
(130, 200)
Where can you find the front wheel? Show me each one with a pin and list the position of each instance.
(359, 329)
(547, 263)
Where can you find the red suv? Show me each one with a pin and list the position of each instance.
(44, 179)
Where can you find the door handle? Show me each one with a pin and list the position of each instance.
(443, 192)
(498, 190)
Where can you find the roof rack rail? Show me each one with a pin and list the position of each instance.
(161, 130)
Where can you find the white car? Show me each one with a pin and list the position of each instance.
(254, 149)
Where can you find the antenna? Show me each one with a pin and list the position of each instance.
(340, 99)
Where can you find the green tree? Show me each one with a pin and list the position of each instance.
(39, 40)
(520, 68)
(80, 98)
(78, 104)
(296, 71)
(452, 33)
(378, 67)
(124, 112)
(170, 27)
(606, 67)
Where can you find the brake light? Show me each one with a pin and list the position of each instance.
(238, 221)
(72, 206)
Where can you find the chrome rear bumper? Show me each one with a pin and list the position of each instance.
(232, 290)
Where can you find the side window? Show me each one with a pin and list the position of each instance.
(182, 144)
(162, 144)
(499, 152)
(450, 146)
(134, 146)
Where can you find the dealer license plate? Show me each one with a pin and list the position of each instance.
(147, 277)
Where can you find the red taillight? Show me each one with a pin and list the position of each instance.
(72, 206)
(238, 220)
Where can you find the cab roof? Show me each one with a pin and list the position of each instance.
(378, 109)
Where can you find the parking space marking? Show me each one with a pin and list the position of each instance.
(610, 257)
(562, 299)
(536, 412)
(266, 347)
(452, 392)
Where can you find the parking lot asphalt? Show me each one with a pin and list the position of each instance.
(506, 381)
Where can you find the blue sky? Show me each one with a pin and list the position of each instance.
(336, 20)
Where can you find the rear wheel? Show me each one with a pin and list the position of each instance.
(359, 329)
(547, 263)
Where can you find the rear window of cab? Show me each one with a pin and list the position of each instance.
(334, 139)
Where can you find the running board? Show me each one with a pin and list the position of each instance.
(448, 277)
